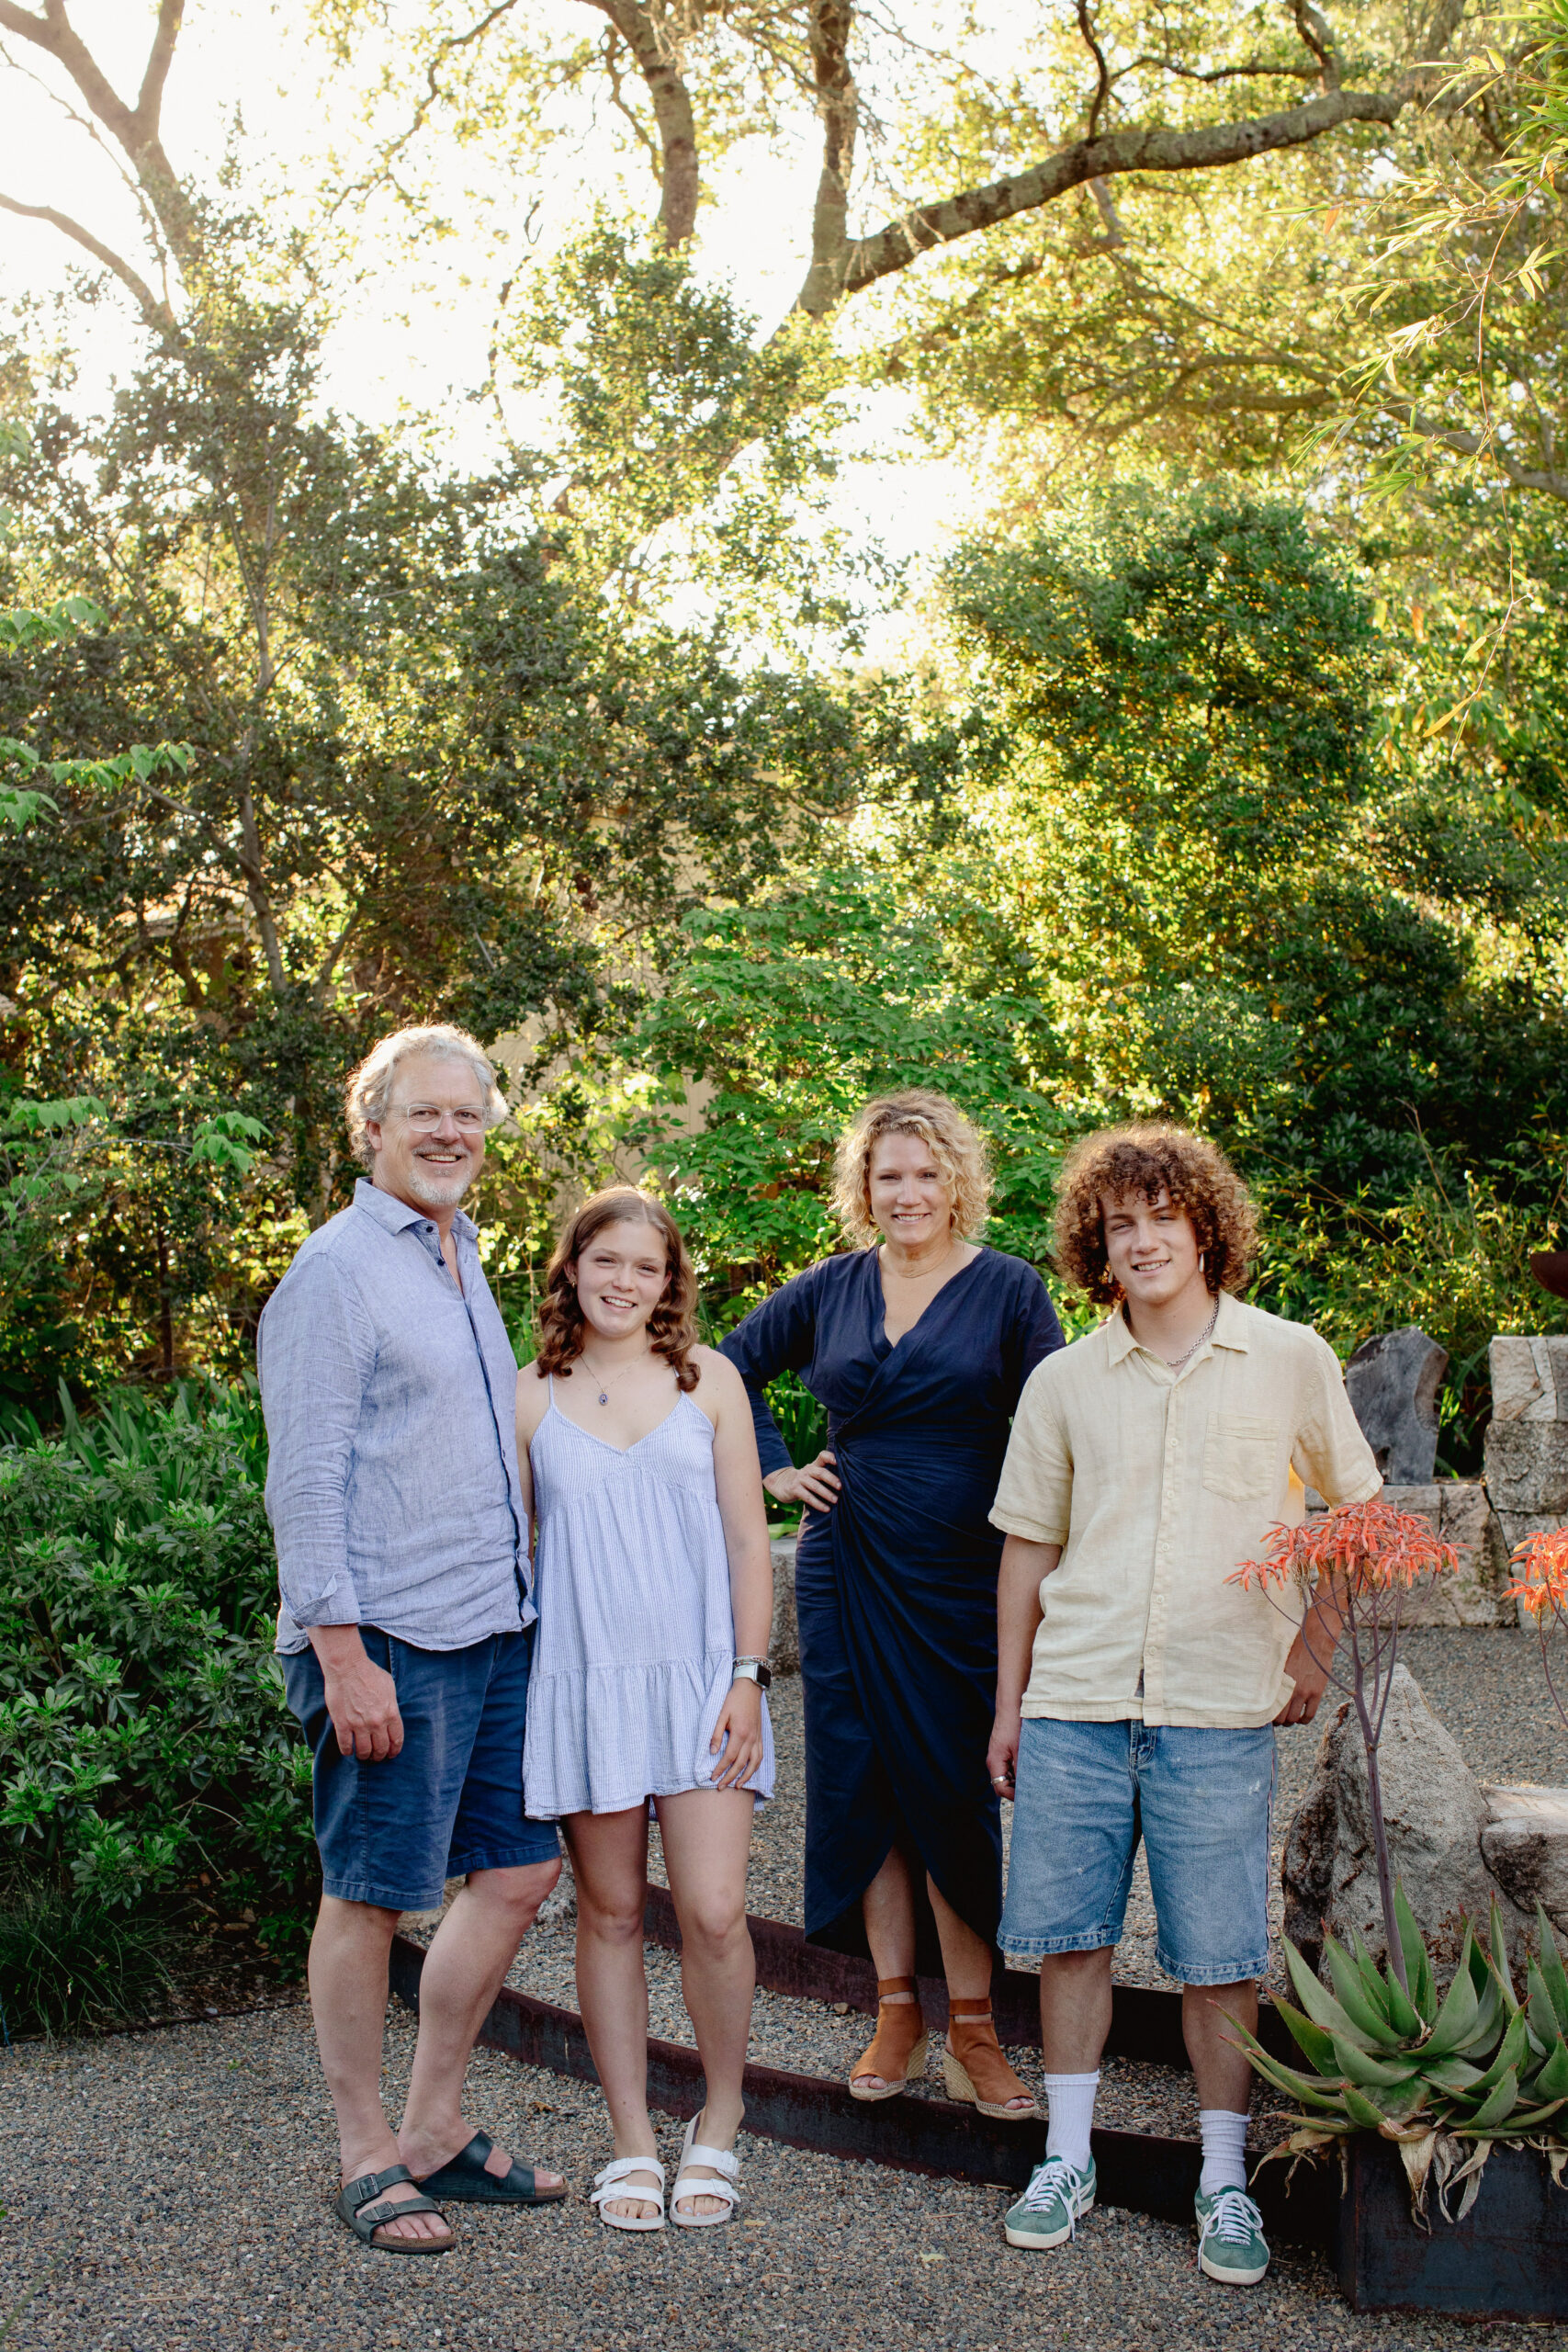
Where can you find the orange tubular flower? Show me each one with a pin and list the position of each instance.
(1543, 1585)
(1363, 1546)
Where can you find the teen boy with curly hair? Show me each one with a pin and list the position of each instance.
(1137, 1690)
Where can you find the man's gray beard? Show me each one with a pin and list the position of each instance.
(438, 1192)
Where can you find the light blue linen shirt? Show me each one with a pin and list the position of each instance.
(391, 1404)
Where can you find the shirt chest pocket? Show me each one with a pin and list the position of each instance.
(1238, 1456)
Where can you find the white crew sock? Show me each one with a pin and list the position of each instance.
(1070, 2117)
(1224, 2150)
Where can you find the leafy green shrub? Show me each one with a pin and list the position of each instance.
(144, 1740)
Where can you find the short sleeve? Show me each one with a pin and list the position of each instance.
(1034, 1332)
(780, 1335)
(1330, 1452)
(1034, 1495)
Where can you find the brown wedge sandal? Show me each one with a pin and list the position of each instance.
(898, 2052)
(974, 2069)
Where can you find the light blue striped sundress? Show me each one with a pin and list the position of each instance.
(635, 1644)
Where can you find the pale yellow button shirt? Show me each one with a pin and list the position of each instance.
(1157, 1485)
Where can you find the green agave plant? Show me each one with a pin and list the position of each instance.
(1481, 2065)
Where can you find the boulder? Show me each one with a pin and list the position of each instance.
(1458, 1509)
(1525, 1846)
(1392, 1383)
(1435, 1810)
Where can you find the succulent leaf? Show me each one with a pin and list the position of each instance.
(1373, 2074)
(1539, 2005)
(1364, 2013)
(1551, 1968)
(1321, 2006)
(1455, 2020)
(1403, 2014)
(1500, 1961)
(1498, 2106)
(1370, 1976)
(1451, 2074)
(1417, 1967)
(1360, 2109)
(1314, 2044)
(1551, 2080)
(1510, 2058)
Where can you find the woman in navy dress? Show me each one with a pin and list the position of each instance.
(918, 1346)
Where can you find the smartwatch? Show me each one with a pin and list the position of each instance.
(753, 1669)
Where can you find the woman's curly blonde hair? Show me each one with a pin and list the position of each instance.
(672, 1326)
(1141, 1161)
(958, 1150)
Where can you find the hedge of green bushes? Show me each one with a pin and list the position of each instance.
(145, 1745)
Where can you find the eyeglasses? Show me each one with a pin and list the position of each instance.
(424, 1118)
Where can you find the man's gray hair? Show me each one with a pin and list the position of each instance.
(370, 1086)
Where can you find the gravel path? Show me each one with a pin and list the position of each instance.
(177, 2200)
(170, 2191)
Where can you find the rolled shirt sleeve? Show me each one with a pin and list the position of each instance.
(314, 1357)
(1330, 1452)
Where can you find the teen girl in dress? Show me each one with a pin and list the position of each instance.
(655, 1597)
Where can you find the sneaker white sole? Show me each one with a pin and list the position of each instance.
(1230, 2278)
(1035, 2241)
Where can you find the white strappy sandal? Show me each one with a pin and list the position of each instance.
(614, 2183)
(687, 2184)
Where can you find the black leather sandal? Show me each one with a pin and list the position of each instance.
(465, 2181)
(365, 2208)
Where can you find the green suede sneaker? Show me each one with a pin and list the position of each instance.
(1231, 2244)
(1051, 2208)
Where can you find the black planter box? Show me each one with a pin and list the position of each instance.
(1507, 2258)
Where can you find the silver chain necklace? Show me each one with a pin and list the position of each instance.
(1176, 1362)
(606, 1386)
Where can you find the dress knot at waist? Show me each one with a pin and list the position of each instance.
(920, 1438)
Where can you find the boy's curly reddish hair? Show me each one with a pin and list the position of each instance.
(1143, 1161)
(672, 1326)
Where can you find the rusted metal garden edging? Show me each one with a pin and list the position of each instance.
(1145, 2023)
(1138, 2170)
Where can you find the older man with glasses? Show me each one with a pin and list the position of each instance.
(390, 1385)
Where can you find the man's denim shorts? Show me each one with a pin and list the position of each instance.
(451, 1800)
(1200, 1799)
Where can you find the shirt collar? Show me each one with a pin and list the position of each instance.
(397, 1216)
(1229, 1331)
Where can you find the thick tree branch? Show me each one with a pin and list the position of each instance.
(1475, 444)
(838, 104)
(659, 67)
(1209, 148)
(136, 131)
(156, 312)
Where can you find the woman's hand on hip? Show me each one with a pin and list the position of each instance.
(815, 1485)
(738, 1732)
(1001, 1755)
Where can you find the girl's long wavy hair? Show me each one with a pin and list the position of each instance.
(672, 1326)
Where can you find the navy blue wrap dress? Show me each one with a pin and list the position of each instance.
(895, 1586)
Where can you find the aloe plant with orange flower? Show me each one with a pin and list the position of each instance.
(1356, 1567)
(1386, 2053)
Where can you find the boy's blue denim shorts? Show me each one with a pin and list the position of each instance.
(1199, 1799)
(451, 1800)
